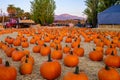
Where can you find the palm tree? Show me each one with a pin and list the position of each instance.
(11, 10)
(91, 11)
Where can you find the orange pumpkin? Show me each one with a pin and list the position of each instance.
(71, 60)
(75, 75)
(7, 72)
(29, 59)
(78, 51)
(45, 50)
(57, 54)
(66, 49)
(9, 51)
(17, 42)
(111, 73)
(36, 49)
(112, 60)
(17, 55)
(53, 71)
(25, 44)
(96, 55)
(26, 68)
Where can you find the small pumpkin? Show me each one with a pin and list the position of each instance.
(96, 55)
(17, 42)
(45, 50)
(17, 55)
(7, 72)
(9, 50)
(53, 71)
(75, 75)
(112, 60)
(78, 51)
(71, 60)
(111, 73)
(25, 44)
(66, 49)
(36, 49)
(29, 59)
(26, 68)
(57, 54)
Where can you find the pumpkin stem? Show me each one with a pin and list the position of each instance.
(26, 61)
(112, 53)
(76, 70)
(71, 52)
(45, 45)
(49, 58)
(93, 49)
(27, 56)
(36, 43)
(7, 64)
(79, 46)
(66, 45)
(107, 68)
(56, 47)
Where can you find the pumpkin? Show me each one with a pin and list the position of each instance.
(75, 75)
(78, 51)
(25, 44)
(96, 55)
(53, 71)
(36, 49)
(26, 67)
(68, 39)
(66, 49)
(110, 50)
(7, 72)
(10, 40)
(45, 50)
(29, 59)
(17, 55)
(57, 54)
(32, 40)
(40, 42)
(74, 44)
(17, 42)
(112, 60)
(9, 50)
(71, 60)
(26, 52)
(108, 73)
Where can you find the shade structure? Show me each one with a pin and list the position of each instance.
(110, 15)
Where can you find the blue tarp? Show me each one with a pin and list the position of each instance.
(110, 15)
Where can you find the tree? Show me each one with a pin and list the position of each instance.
(91, 11)
(11, 10)
(96, 6)
(42, 11)
(19, 12)
(27, 15)
(104, 4)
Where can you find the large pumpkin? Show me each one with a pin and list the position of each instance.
(108, 73)
(71, 60)
(50, 70)
(7, 72)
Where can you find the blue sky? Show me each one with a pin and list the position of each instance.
(74, 7)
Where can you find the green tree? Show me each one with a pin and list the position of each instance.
(19, 12)
(91, 11)
(27, 15)
(11, 10)
(104, 4)
(96, 6)
(42, 11)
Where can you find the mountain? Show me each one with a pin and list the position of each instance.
(67, 17)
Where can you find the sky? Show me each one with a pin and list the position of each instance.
(73, 7)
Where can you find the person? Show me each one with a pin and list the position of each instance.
(79, 24)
